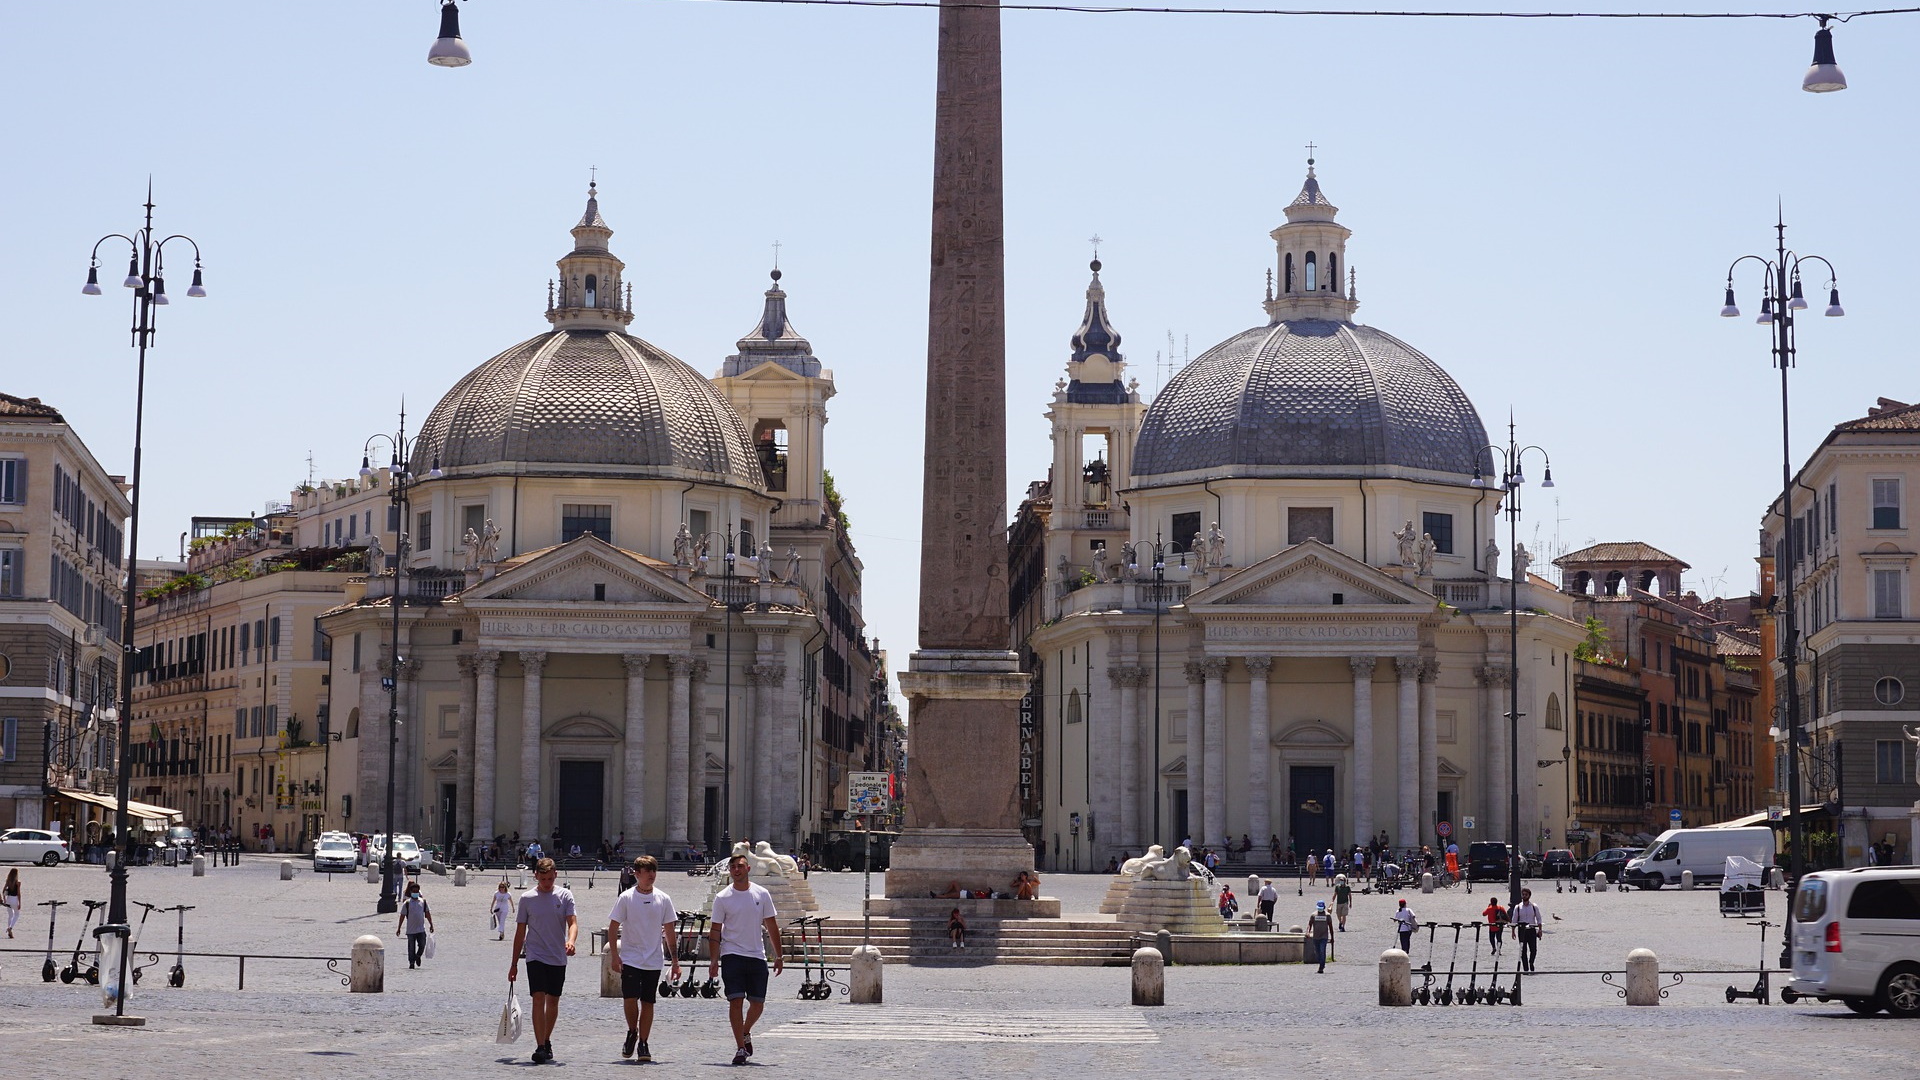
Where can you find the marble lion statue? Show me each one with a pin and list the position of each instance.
(763, 852)
(1178, 867)
(1134, 867)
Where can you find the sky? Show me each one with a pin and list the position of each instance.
(1546, 208)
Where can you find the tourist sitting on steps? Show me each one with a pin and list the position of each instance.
(956, 930)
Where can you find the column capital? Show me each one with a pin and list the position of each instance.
(1195, 671)
(700, 670)
(1494, 675)
(465, 663)
(533, 659)
(486, 660)
(1407, 667)
(766, 674)
(1259, 666)
(680, 666)
(1128, 675)
(1429, 671)
(636, 664)
(1214, 666)
(1362, 666)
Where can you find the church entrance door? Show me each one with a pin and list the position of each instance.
(582, 795)
(1311, 787)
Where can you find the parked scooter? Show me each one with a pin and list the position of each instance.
(1472, 994)
(48, 972)
(73, 971)
(178, 976)
(1445, 994)
(133, 943)
(1423, 994)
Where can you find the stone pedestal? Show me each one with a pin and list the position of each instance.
(1396, 978)
(927, 861)
(610, 975)
(286, 869)
(1149, 977)
(368, 972)
(1643, 977)
(864, 975)
(1182, 907)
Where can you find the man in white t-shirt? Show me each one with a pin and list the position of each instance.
(735, 946)
(642, 921)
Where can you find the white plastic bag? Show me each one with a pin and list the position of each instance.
(427, 953)
(509, 1019)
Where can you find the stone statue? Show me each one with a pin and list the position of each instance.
(470, 548)
(1198, 549)
(793, 564)
(787, 864)
(1135, 866)
(1423, 555)
(1178, 867)
(1521, 560)
(1066, 573)
(1493, 559)
(489, 542)
(376, 554)
(403, 548)
(1100, 563)
(1217, 545)
(1408, 541)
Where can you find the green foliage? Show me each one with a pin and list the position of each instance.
(1594, 649)
(833, 502)
(183, 583)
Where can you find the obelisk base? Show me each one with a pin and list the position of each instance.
(928, 862)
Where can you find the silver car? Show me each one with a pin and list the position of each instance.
(340, 856)
(33, 846)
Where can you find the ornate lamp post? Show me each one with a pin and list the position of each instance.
(146, 276)
(1158, 548)
(730, 603)
(1780, 298)
(400, 484)
(1511, 480)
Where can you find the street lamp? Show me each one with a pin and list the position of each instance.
(146, 276)
(1780, 297)
(1159, 549)
(400, 484)
(449, 50)
(1512, 478)
(727, 599)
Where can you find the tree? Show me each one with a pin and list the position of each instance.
(1594, 648)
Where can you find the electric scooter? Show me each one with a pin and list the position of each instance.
(47, 970)
(806, 960)
(73, 970)
(1423, 994)
(1760, 989)
(1472, 994)
(133, 942)
(178, 976)
(1445, 994)
(1494, 995)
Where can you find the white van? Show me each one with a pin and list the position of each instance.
(1703, 851)
(1856, 937)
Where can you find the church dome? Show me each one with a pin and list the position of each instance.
(587, 396)
(1305, 397)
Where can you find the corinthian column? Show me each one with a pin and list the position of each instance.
(1216, 799)
(1494, 681)
(463, 801)
(486, 712)
(633, 787)
(1104, 796)
(1429, 748)
(1407, 832)
(1259, 749)
(697, 760)
(766, 679)
(1127, 687)
(1196, 748)
(677, 749)
(1362, 667)
(531, 665)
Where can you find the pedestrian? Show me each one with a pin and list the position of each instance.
(1229, 906)
(545, 934)
(739, 954)
(416, 920)
(1526, 927)
(10, 896)
(642, 920)
(1342, 900)
(1496, 917)
(1320, 933)
(1405, 921)
(1268, 898)
(956, 930)
(502, 909)
(1326, 865)
(1313, 870)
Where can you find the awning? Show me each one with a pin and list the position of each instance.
(150, 812)
(143, 811)
(1813, 810)
(86, 797)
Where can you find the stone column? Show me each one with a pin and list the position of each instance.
(1526, 741)
(1407, 829)
(1429, 749)
(1494, 681)
(766, 679)
(633, 787)
(408, 762)
(1216, 798)
(678, 766)
(369, 810)
(697, 759)
(1259, 751)
(486, 714)
(1362, 667)
(531, 665)
(1196, 750)
(1127, 686)
(790, 752)
(1104, 796)
(463, 799)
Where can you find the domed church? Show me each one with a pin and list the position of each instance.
(1272, 603)
(630, 609)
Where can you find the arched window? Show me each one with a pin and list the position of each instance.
(1333, 272)
(1288, 284)
(1313, 281)
(593, 291)
(1073, 707)
(1554, 720)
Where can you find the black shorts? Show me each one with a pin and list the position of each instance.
(743, 977)
(548, 979)
(639, 983)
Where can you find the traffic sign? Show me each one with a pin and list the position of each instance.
(1673, 816)
(1775, 813)
(1445, 828)
(867, 793)
(1467, 822)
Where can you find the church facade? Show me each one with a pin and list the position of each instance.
(1272, 603)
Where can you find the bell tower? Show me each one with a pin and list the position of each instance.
(1096, 416)
(1312, 253)
(587, 295)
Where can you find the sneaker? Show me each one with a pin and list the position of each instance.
(740, 1056)
(643, 1055)
(626, 1048)
(542, 1054)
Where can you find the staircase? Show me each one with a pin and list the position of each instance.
(924, 942)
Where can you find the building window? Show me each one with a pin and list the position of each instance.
(9, 738)
(13, 481)
(1073, 707)
(1886, 594)
(698, 524)
(1833, 509)
(1886, 504)
(1889, 691)
(770, 446)
(13, 569)
(473, 519)
(578, 519)
(1889, 762)
(1186, 529)
(1440, 527)
(1309, 523)
(423, 533)
(1555, 722)
(747, 547)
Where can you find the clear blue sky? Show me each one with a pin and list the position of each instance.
(1546, 208)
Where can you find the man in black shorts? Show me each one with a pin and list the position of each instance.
(740, 914)
(641, 922)
(545, 934)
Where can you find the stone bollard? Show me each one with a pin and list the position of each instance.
(1253, 888)
(1163, 941)
(368, 972)
(1261, 925)
(1599, 881)
(373, 873)
(1686, 879)
(1643, 977)
(610, 974)
(864, 976)
(1149, 977)
(199, 866)
(1396, 978)
(286, 869)
(459, 877)
(1776, 878)
(1426, 882)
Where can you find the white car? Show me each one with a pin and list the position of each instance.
(331, 855)
(34, 846)
(406, 850)
(1856, 937)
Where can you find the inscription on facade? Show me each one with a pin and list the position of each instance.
(581, 629)
(1311, 632)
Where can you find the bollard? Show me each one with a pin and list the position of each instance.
(1776, 878)
(459, 876)
(864, 976)
(1253, 888)
(286, 869)
(1396, 978)
(1686, 879)
(1643, 977)
(1149, 977)
(199, 866)
(1599, 881)
(1163, 943)
(1261, 925)
(1426, 881)
(368, 972)
(610, 975)
(373, 873)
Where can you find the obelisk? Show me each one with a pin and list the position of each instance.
(964, 685)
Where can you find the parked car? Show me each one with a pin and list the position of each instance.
(1488, 860)
(1703, 851)
(1856, 937)
(335, 854)
(181, 837)
(34, 846)
(1610, 861)
(1558, 862)
(406, 851)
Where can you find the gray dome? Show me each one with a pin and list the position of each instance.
(576, 399)
(1307, 397)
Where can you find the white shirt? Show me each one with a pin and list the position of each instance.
(740, 913)
(1407, 919)
(1526, 913)
(641, 916)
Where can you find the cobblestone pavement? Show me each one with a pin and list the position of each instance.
(999, 1021)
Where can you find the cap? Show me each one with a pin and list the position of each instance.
(1321, 904)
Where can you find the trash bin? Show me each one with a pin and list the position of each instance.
(173, 856)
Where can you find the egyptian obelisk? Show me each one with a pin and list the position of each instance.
(964, 685)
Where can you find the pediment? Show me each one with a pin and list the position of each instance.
(1310, 734)
(445, 762)
(1449, 769)
(582, 727)
(1309, 574)
(714, 764)
(571, 571)
(1176, 767)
